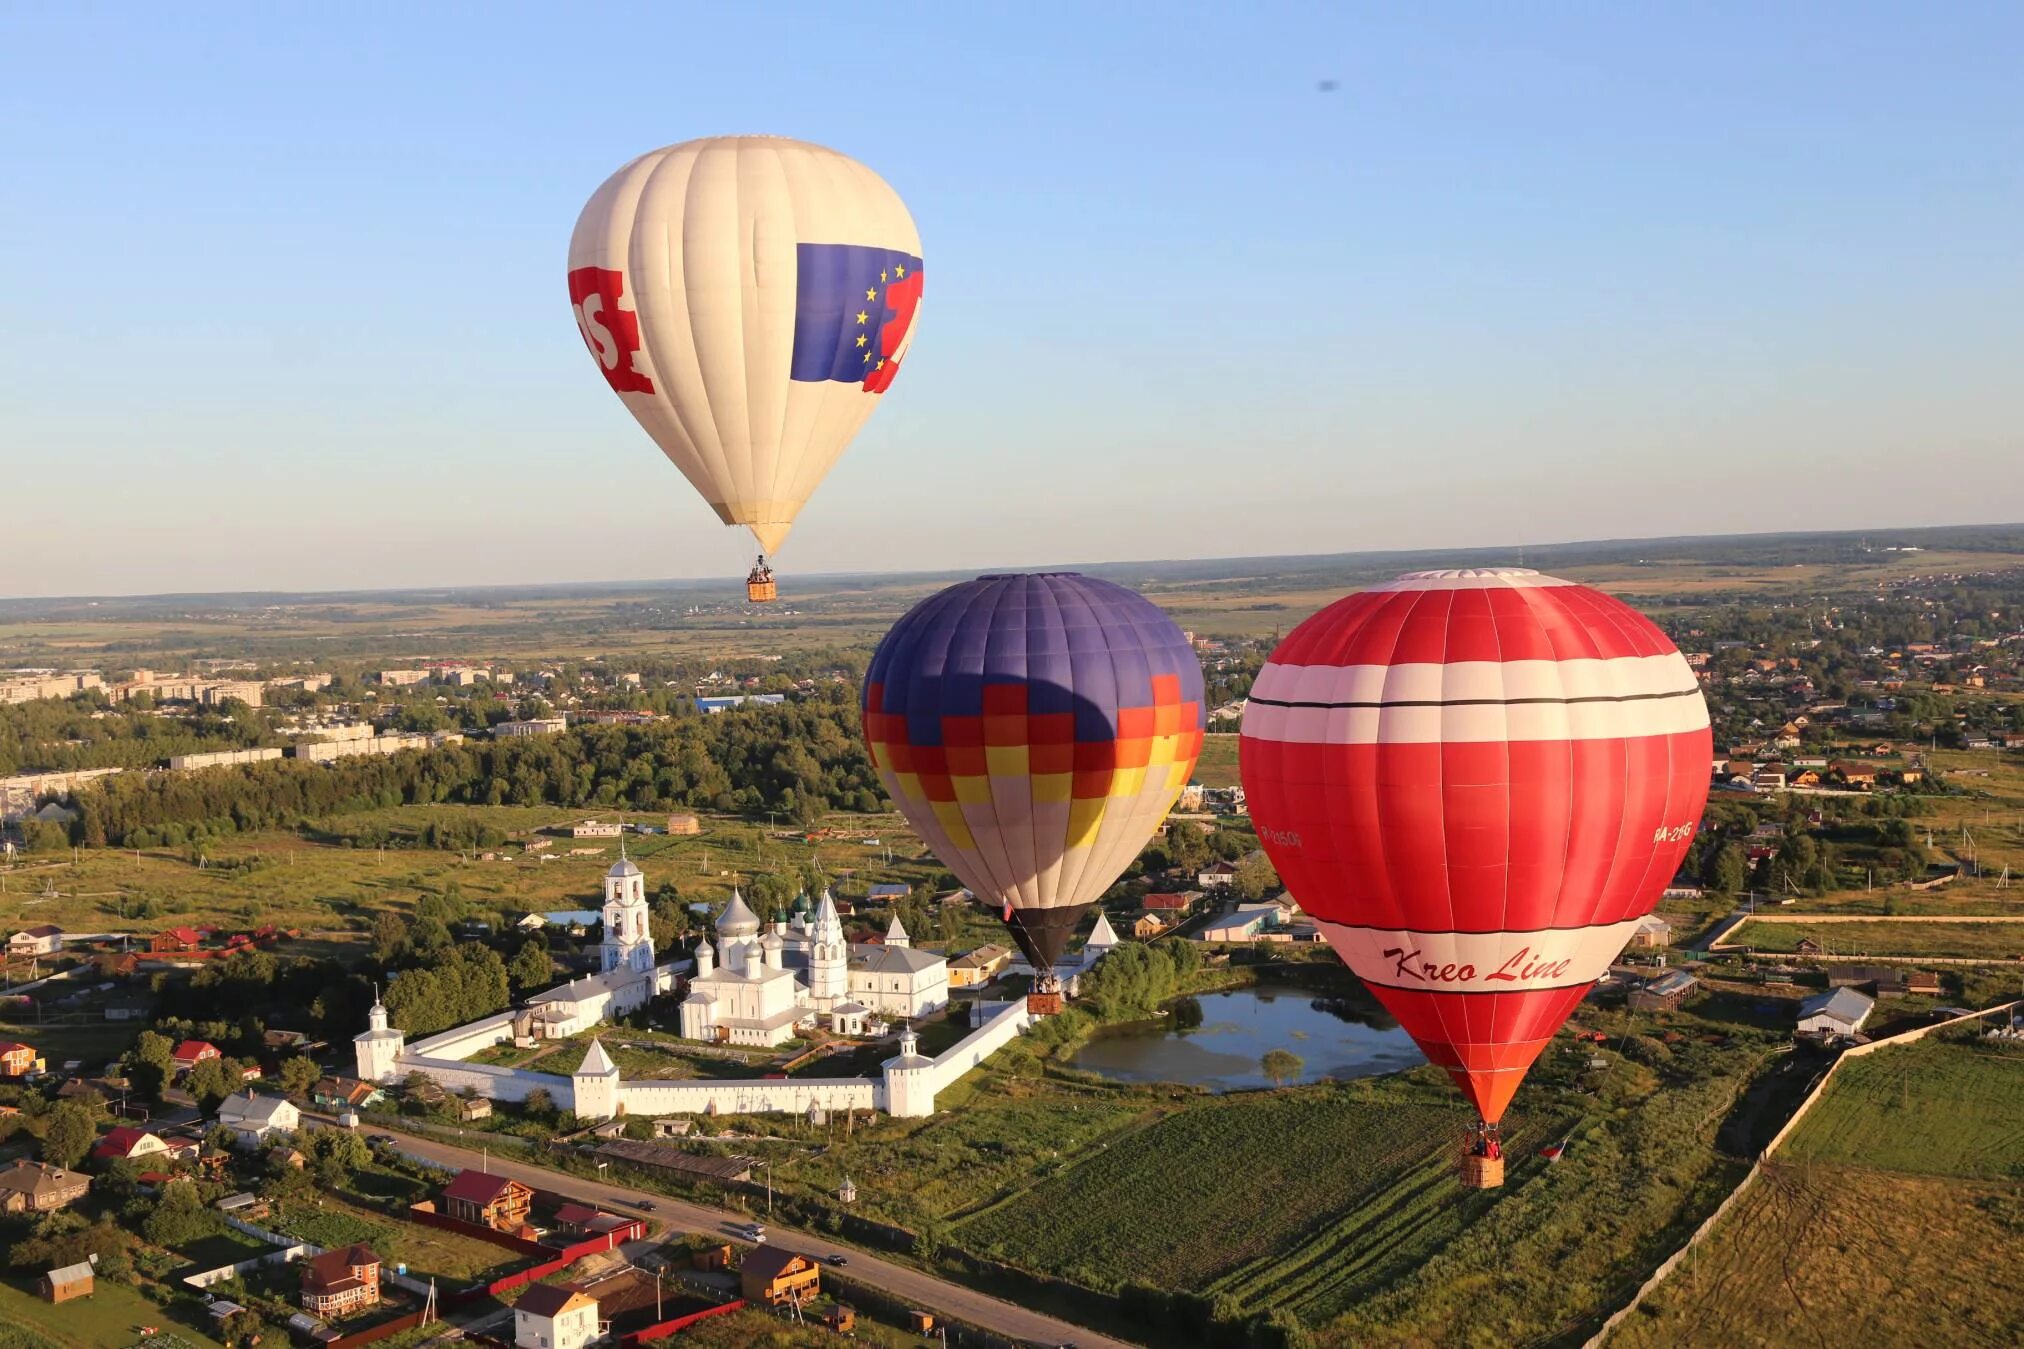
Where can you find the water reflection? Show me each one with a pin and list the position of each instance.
(1217, 1040)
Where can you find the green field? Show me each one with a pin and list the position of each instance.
(331, 891)
(1218, 765)
(1267, 1166)
(110, 1318)
(1903, 940)
(427, 1252)
(1818, 1254)
(1881, 1220)
(1952, 1108)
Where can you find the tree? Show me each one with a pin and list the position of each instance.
(298, 1074)
(69, 1135)
(177, 1218)
(335, 1154)
(152, 1063)
(539, 1103)
(212, 1081)
(1729, 870)
(1255, 877)
(531, 968)
(389, 938)
(1282, 1065)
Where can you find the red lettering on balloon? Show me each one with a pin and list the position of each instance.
(611, 333)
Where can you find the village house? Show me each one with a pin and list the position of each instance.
(255, 1120)
(71, 1281)
(470, 1108)
(1217, 875)
(1147, 926)
(172, 940)
(1652, 931)
(1923, 983)
(128, 1144)
(1171, 902)
(190, 1053)
(37, 1187)
(338, 1093)
(43, 940)
(770, 1274)
(1840, 1012)
(554, 1316)
(18, 1060)
(498, 1202)
(980, 966)
(1665, 993)
(341, 1282)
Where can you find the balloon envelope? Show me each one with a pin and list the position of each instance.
(1035, 730)
(749, 298)
(1477, 782)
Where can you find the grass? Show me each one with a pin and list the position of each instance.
(1209, 1189)
(109, 1319)
(994, 1134)
(1830, 1254)
(1218, 764)
(428, 1252)
(332, 892)
(1905, 940)
(1935, 1108)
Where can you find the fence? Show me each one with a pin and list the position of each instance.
(560, 1257)
(384, 1330)
(205, 1278)
(1756, 1170)
(636, 1338)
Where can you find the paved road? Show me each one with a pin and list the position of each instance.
(901, 1280)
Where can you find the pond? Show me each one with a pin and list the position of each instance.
(1219, 1040)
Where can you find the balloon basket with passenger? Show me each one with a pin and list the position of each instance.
(759, 587)
(1483, 1157)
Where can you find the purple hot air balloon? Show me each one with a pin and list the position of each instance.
(1035, 729)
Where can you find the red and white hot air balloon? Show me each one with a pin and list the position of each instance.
(1477, 782)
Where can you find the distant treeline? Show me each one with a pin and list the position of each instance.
(799, 759)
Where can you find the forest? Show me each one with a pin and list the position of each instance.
(799, 759)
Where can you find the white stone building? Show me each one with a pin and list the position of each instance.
(627, 977)
(751, 999)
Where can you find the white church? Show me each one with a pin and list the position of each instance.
(627, 978)
(754, 988)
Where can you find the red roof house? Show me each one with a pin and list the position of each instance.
(190, 1053)
(126, 1143)
(494, 1201)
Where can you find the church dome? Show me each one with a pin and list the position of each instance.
(737, 920)
(771, 941)
(623, 868)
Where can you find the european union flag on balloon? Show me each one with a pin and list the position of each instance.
(853, 306)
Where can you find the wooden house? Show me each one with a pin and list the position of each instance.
(498, 1202)
(770, 1274)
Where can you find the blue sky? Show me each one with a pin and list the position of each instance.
(282, 303)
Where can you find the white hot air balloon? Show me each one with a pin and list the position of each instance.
(748, 298)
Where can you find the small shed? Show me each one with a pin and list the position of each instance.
(71, 1281)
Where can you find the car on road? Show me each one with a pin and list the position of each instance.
(839, 1259)
(645, 1206)
(752, 1232)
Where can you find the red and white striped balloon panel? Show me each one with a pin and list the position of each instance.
(1477, 782)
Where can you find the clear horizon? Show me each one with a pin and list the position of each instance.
(287, 309)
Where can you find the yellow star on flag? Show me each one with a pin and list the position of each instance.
(871, 295)
(880, 366)
(862, 316)
(881, 276)
(900, 270)
(867, 358)
(860, 339)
